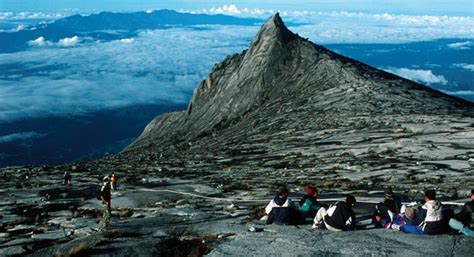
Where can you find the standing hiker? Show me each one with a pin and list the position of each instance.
(105, 196)
(338, 217)
(113, 179)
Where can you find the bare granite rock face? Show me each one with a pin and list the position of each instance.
(286, 106)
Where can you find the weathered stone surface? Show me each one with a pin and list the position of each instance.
(286, 241)
(286, 106)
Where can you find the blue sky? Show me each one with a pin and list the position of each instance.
(419, 7)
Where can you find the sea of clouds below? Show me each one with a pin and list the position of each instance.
(80, 75)
(159, 65)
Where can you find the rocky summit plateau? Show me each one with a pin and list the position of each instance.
(283, 112)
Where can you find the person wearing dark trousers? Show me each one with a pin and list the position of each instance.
(309, 205)
(67, 178)
(463, 220)
(384, 212)
(338, 217)
(281, 210)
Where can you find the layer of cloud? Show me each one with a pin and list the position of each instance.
(468, 93)
(33, 15)
(68, 41)
(64, 42)
(360, 27)
(19, 136)
(466, 66)
(127, 40)
(461, 45)
(155, 67)
(421, 76)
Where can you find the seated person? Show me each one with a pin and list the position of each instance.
(465, 216)
(385, 211)
(406, 216)
(309, 205)
(338, 217)
(281, 210)
(463, 220)
(431, 217)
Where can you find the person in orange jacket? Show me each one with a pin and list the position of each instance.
(113, 180)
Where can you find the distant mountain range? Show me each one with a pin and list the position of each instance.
(111, 26)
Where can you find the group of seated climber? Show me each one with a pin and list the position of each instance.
(426, 217)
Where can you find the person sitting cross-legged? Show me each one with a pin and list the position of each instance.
(281, 210)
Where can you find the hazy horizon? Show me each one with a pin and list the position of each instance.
(424, 7)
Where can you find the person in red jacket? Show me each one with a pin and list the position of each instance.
(309, 205)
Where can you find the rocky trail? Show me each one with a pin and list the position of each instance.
(162, 216)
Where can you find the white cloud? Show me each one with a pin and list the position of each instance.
(127, 40)
(461, 45)
(34, 15)
(226, 9)
(68, 41)
(19, 27)
(19, 136)
(360, 27)
(460, 93)
(235, 11)
(422, 76)
(40, 41)
(466, 66)
(160, 66)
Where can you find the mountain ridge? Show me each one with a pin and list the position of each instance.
(252, 80)
(112, 26)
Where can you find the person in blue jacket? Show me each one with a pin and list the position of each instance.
(281, 210)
